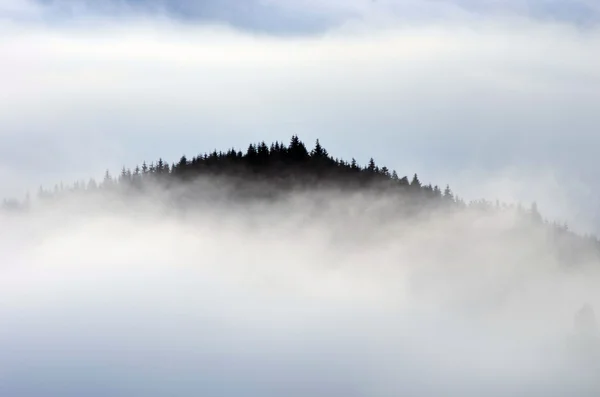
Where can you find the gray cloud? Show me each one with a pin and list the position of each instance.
(310, 16)
(252, 15)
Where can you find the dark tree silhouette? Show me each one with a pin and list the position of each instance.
(265, 171)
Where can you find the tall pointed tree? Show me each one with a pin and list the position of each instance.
(415, 183)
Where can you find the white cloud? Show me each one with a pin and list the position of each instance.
(496, 107)
(438, 98)
(285, 301)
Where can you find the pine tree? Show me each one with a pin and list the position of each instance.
(123, 178)
(107, 177)
(448, 195)
(252, 155)
(319, 152)
(92, 185)
(183, 162)
(297, 150)
(415, 183)
(371, 167)
(160, 166)
(535, 214)
(263, 154)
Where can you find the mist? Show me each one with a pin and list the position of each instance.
(464, 98)
(319, 292)
(313, 293)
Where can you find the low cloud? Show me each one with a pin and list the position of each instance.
(280, 301)
(442, 98)
(287, 298)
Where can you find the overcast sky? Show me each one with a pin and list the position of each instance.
(499, 99)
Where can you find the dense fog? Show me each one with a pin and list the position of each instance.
(314, 293)
(127, 288)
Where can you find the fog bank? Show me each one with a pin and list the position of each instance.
(287, 298)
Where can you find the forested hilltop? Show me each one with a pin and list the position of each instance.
(267, 172)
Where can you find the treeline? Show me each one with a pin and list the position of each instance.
(268, 171)
(277, 167)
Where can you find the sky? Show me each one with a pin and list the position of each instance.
(498, 99)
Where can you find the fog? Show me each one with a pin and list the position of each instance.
(318, 293)
(312, 294)
(458, 99)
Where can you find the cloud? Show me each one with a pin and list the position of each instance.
(310, 16)
(250, 303)
(18, 10)
(285, 300)
(253, 15)
(451, 99)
